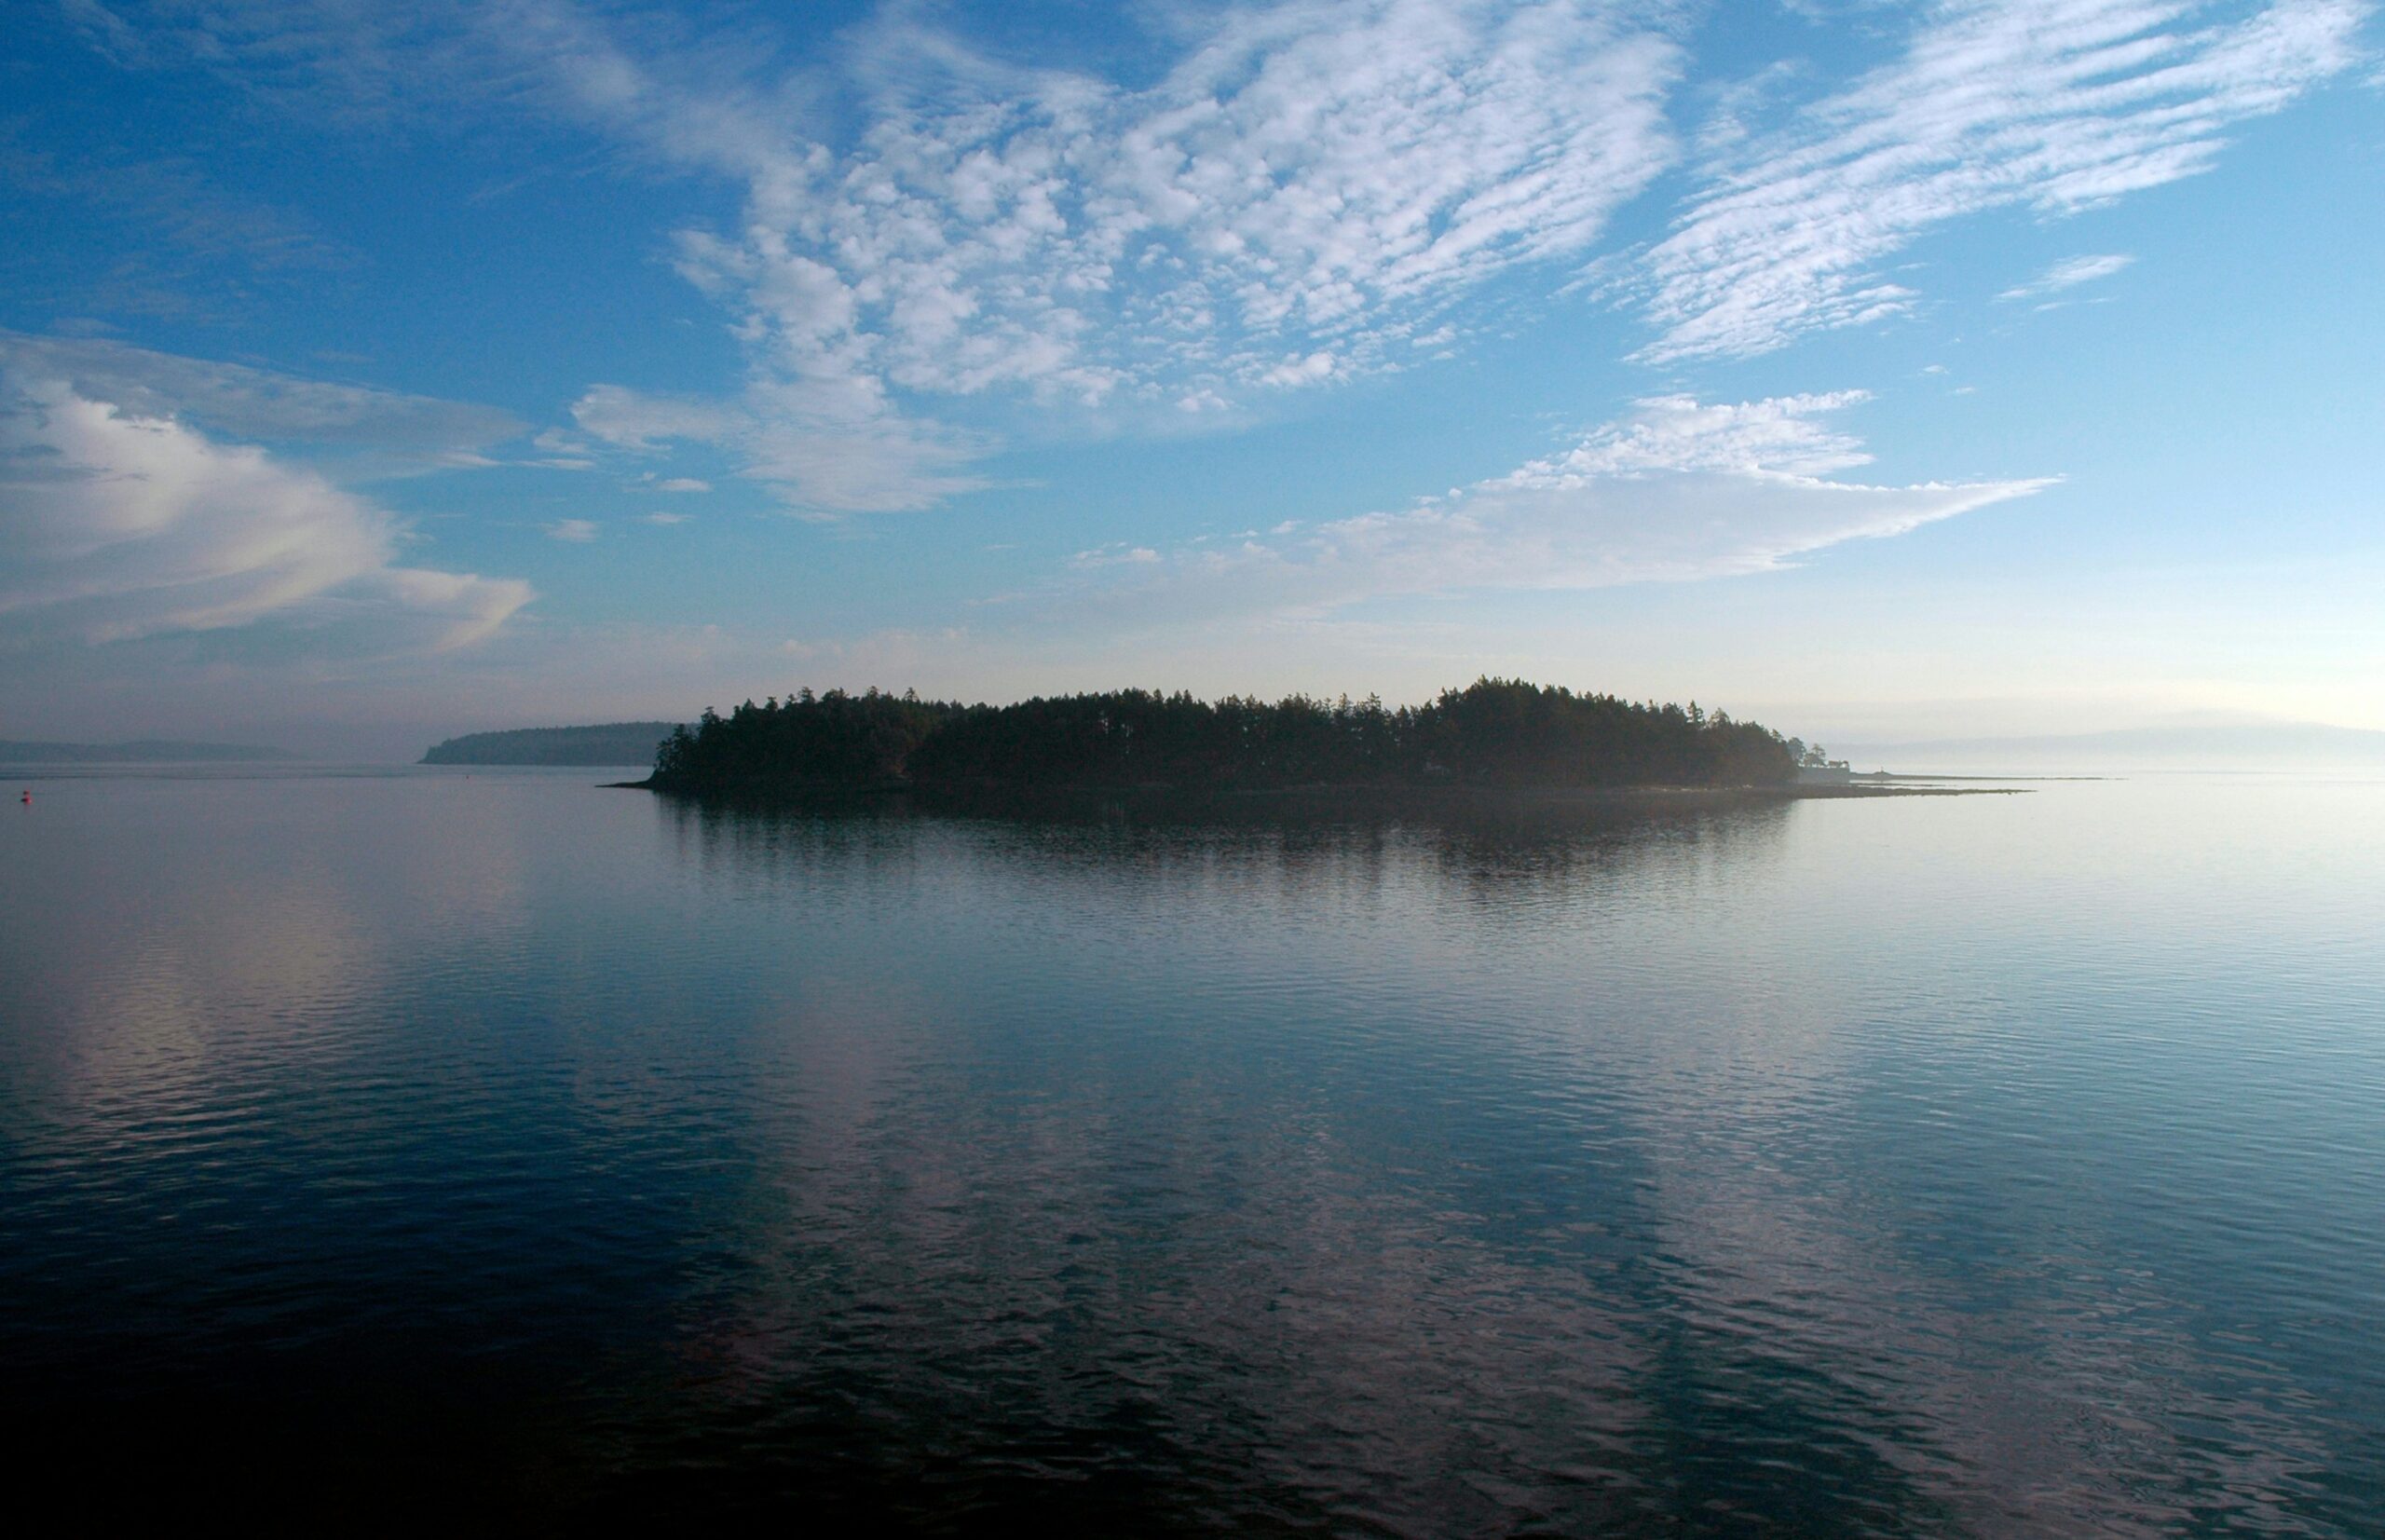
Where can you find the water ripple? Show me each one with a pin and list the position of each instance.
(2005, 1166)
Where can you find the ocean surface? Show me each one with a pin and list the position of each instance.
(490, 1142)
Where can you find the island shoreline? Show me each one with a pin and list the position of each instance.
(1329, 799)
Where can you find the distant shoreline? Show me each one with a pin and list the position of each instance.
(26, 753)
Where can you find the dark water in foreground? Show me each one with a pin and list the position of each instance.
(1998, 1166)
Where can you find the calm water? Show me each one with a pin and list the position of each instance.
(1993, 1165)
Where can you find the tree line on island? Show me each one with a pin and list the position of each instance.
(605, 743)
(1501, 733)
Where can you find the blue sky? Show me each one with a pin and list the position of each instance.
(373, 373)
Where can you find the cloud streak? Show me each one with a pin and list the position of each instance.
(1677, 491)
(168, 198)
(2069, 274)
(2048, 105)
(825, 453)
(374, 431)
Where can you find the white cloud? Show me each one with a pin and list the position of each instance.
(643, 423)
(1773, 438)
(821, 452)
(123, 526)
(1313, 170)
(682, 483)
(1679, 490)
(2051, 105)
(667, 519)
(575, 531)
(1294, 372)
(825, 447)
(833, 460)
(1120, 554)
(2068, 274)
(1283, 206)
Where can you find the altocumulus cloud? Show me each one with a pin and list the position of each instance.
(1292, 202)
(124, 525)
(1678, 490)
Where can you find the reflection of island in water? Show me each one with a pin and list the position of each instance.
(1500, 741)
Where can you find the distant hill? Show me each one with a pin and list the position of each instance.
(141, 751)
(609, 743)
(2229, 745)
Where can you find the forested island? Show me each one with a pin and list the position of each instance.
(1492, 733)
(607, 744)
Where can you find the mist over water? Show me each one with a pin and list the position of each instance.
(1991, 1166)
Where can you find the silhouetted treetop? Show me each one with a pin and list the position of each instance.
(1494, 732)
(607, 744)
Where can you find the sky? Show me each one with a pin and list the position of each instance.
(373, 373)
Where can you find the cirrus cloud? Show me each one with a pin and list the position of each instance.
(2069, 274)
(2050, 105)
(1678, 490)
